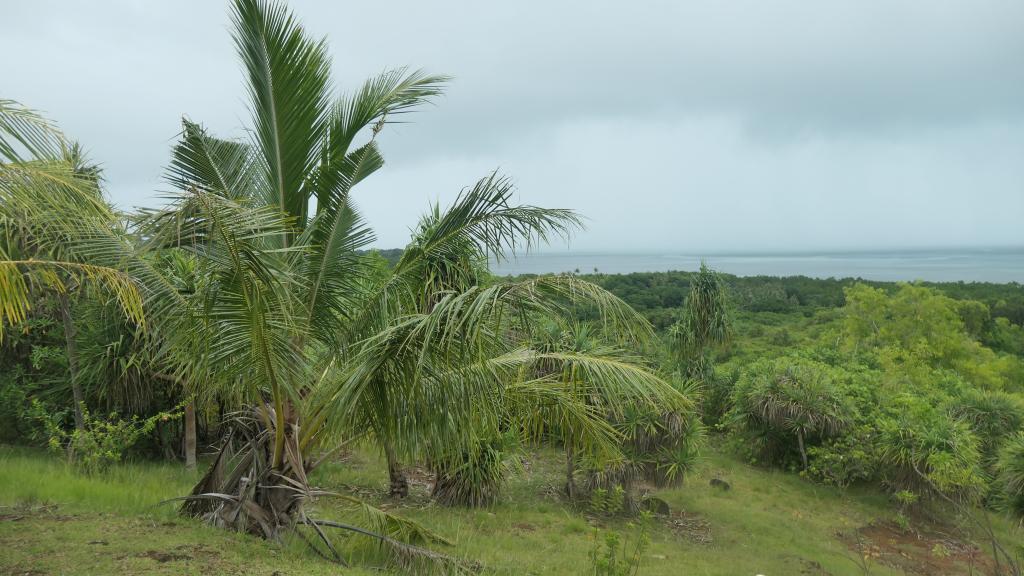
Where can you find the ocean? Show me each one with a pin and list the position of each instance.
(1000, 265)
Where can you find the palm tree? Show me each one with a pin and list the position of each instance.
(1009, 477)
(321, 347)
(36, 159)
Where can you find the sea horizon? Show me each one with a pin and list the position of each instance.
(999, 264)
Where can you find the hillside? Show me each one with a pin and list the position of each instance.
(770, 523)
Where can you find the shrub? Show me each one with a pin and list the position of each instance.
(663, 447)
(614, 555)
(675, 459)
(716, 397)
(103, 442)
(992, 416)
(923, 450)
(474, 476)
(607, 502)
(845, 460)
(617, 482)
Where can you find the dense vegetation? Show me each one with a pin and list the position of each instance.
(248, 316)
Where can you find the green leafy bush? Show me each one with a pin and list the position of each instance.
(103, 441)
(844, 460)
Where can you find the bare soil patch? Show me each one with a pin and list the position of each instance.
(690, 526)
(925, 551)
(163, 557)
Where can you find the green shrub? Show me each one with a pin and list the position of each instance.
(845, 460)
(922, 449)
(716, 397)
(607, 502)
(675, 459)
(102, 442)
(475, 475)
(663, 447)
(616, 555)
(993, 416)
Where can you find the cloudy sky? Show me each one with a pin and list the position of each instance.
(691, 126)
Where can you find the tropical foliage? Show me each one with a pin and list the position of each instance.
(250, 310)
(251, 287)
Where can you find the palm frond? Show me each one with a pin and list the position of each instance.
(18, 277)
(200, 161)
(289, 87)
(26, 129)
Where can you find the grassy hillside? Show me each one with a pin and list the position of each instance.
(57, 522)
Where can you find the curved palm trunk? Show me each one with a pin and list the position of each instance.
(72, 351)
(399, 483)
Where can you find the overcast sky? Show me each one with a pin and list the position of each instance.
(679, 125)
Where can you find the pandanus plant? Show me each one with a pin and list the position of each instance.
(776, 401)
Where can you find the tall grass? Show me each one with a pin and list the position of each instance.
(35, 477)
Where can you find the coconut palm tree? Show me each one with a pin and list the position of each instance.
(321, 347)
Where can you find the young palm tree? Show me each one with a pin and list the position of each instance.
(1009, 477)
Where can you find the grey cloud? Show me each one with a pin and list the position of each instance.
(704, 125)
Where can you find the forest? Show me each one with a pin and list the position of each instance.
(236, 382)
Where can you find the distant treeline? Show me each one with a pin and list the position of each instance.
(659, 295)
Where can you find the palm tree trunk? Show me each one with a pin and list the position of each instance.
(72, 351)
(570, 472)
(399, 483)
(800, 442)
(190, 435)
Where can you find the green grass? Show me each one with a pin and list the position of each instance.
(769, 523)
